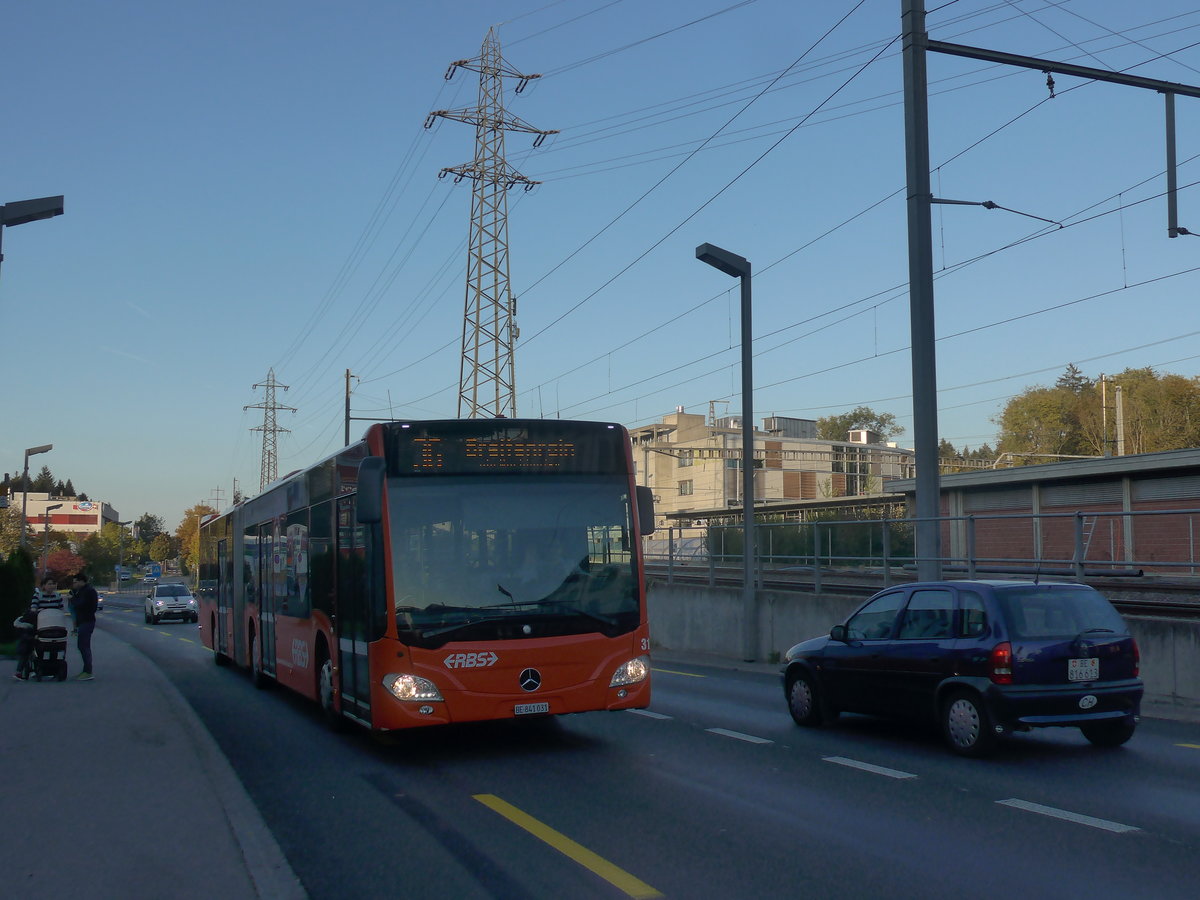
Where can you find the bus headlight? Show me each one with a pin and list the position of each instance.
(411, 687)
(631, 672)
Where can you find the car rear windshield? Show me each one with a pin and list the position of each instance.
(172, 590)
(1043, 613)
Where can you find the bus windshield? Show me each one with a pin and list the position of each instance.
(510, 557)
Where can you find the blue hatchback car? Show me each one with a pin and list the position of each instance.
(982, 658)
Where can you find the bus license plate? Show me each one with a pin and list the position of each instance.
(1083, 669)
(530, 709)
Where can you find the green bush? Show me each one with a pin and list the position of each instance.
(16, 588)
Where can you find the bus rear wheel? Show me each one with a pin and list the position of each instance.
(257, 675)
(218, 657)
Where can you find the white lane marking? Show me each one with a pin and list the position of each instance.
(737, 735)
(647, 713)
(1068, 816)
(867, 767)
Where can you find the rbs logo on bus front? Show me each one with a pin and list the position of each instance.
(471, 660)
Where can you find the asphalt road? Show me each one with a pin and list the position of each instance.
(713, 792)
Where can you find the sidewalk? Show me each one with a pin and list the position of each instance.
(113, 788)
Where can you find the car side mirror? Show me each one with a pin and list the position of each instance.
(839, 633)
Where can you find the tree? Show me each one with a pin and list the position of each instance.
(1160, 412)
(63, 563)
(16, 588)
(162, 548)
(1073, 380)
(838, 428)
(188, 534)
(102, 552)
(148, 527)
(10, 530)
(44, 482)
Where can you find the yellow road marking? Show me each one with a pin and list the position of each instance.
(673, 672)
(1190, 746)
(614, 875)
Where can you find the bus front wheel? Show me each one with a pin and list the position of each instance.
(333, 718)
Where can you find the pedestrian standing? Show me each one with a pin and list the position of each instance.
(84, 601)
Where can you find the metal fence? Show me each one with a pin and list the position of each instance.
(1079, 544)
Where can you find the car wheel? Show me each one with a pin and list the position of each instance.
(333, 718)
(967, 725)
(1109, 734)
(803, 702)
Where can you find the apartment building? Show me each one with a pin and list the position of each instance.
(694, 464)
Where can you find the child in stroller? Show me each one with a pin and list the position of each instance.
(42, 647)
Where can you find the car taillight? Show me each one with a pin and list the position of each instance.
(1001, 663)
(1137, 658)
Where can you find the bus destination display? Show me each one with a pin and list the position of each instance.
(442, 451)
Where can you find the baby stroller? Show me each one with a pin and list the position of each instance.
(48, 657)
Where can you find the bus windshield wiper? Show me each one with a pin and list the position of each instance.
(565, 607)
(458, 626)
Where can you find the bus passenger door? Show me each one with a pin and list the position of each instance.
(271, 549)
(354, 593)
(224, 598)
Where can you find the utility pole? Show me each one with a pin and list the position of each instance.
(487, 383)
(1120, 422)
(346, 442)
(1105, 450)
(269, 470)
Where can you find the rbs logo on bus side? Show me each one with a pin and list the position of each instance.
(471, 660)
(299, 653)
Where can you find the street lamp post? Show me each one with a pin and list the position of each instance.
(32, 451)
(46, 535)
(120, 553)
(739, 267)
(22, 211)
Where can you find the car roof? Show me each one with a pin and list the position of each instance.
(998, 584)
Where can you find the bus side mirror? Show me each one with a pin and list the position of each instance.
(369, 509)
(645, 505)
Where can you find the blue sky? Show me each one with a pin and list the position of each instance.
(249, 186)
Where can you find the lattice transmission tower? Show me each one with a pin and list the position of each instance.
(269, 470)
(487, 381)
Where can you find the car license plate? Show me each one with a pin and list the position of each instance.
(529, 709)
(1083, 669)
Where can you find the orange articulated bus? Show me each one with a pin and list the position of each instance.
(441, 571)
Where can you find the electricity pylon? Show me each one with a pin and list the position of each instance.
(487, 382)
(269, 470)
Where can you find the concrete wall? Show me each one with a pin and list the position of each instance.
(698, 619)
